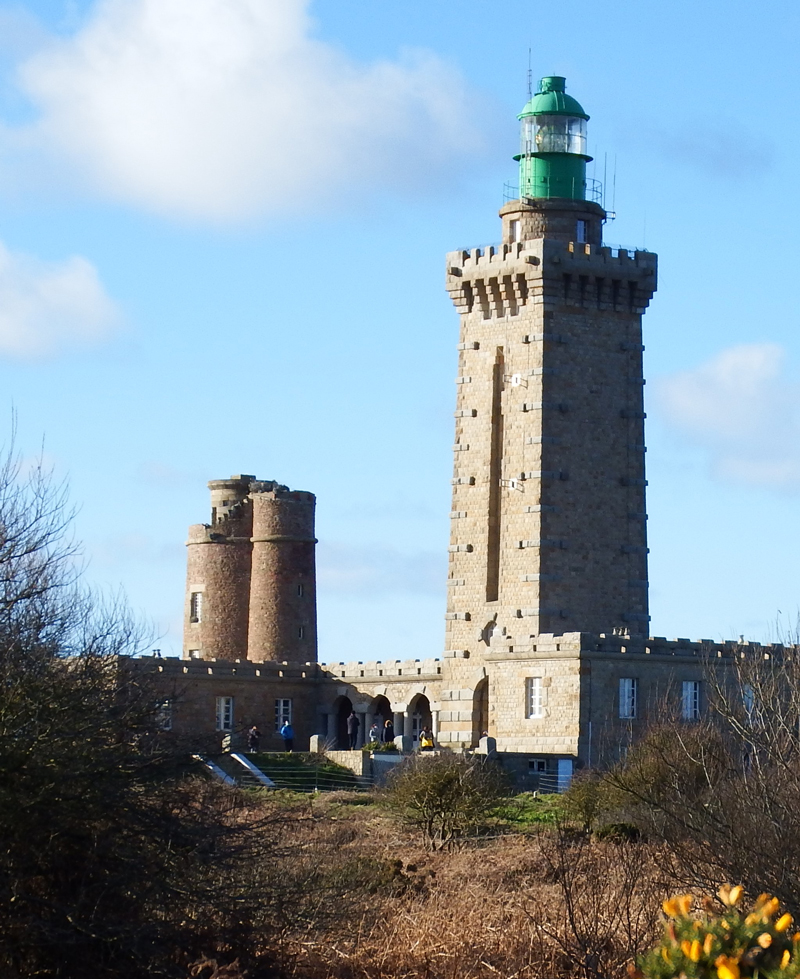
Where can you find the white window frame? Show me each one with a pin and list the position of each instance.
(196, 606)
(534, 697)
(514, 230)
(628, 698)
(690, 700)
(283, 712)
(224, 713)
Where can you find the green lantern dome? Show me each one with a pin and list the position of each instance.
(552, 100)
(553, 158)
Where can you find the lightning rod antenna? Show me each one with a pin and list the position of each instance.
(614, 187)
(530, 77)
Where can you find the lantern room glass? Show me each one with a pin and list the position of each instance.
(553, 134)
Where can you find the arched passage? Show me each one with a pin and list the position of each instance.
(480, 711)
(342, 707)
(380, 711)
(420, 712)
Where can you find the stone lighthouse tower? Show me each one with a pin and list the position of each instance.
(548, 513)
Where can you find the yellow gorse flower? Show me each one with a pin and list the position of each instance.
(678, 907)
(730, 896)
(764, 908)
(727, 968)
(702, 937)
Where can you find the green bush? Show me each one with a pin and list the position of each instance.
(445, 796)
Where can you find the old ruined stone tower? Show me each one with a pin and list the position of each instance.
(548, 515)
(251, 582)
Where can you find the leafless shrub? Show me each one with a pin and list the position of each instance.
(724, 793)
(537, 908)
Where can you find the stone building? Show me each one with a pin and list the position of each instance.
(547, 644)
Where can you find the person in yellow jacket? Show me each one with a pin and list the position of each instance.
(426, 740)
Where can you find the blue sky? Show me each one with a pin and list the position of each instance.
(222, 236)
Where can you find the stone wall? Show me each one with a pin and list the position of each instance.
(579, 678)
(192, 688)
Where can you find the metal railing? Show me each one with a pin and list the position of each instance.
(593, 193)
(615, 249)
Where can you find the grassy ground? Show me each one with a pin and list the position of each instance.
(295, 771)
(527, 810)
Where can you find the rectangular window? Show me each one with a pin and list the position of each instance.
(538, 765)
(513, 227)
(283, 712)
(194, 654)
(196, 607)
(533, 697)
(690, 707)
(581, 234)
(300, 632)
(164, 715)
(300, 591)
(628, 697)
(224, 713)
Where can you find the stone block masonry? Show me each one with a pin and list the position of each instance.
(251, 576)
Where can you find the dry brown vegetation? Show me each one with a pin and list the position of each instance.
(356, 895)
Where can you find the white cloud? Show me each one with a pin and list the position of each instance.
(219, 109)
(378, 571)
(46, 306)
(743, 409)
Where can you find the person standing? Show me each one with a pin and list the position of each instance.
(253, 738)
(288, 736)
(388, 732)
(375, 732)
(353, 724)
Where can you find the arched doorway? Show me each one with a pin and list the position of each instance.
(480, 711)
(381, 711)
(420, 712)
(343, 708)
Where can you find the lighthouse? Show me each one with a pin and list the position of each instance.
(548, 519)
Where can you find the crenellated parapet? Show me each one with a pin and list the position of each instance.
(241, 669)
(385, 669)
(501, 280)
